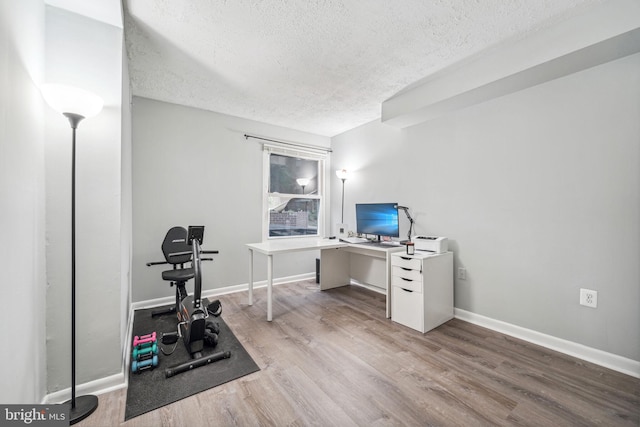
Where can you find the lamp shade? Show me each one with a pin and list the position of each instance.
(342, 174)
(69, 99)
(303, 181)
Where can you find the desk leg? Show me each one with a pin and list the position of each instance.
(269, 287)
(250, 276)
(388, 284)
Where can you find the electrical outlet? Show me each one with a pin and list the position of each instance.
(589, 298)
(462, 273)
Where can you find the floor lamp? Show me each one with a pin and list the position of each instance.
(75, 104)
(342, 227)
(303, 182)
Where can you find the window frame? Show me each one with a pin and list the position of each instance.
(321, 157)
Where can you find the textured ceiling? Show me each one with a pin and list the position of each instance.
(321, 66)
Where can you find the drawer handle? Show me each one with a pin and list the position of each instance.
(405, 258)
(405, 268)
(406, 290)
(407, 280)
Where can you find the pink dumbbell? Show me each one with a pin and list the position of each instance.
(144, 339)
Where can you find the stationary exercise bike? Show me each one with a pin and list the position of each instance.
(179, 247)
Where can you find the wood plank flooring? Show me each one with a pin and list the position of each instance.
(332, 359)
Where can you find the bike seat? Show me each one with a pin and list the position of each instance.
(178, 275)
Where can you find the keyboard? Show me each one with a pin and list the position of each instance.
(383, 243)
(354, 240)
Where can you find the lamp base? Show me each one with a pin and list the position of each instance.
(85, 405)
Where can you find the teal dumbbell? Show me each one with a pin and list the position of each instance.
(142, 351)
(145, 364)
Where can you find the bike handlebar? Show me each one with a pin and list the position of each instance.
(149, 264)
(175, 254)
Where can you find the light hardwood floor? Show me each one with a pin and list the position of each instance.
(332, 359)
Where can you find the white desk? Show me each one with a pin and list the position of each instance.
(339, 263)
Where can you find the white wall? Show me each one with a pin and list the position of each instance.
(194, 167)
(539, 192)
(22, 202)
(88, 54)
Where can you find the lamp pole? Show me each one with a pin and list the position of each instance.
(74, 120)
(342, 216)
(342, 175)
(83, 406)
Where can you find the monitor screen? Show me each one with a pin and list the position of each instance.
(377, 218)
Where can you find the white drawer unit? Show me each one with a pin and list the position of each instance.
(421, 289)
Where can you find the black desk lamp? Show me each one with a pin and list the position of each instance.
(411, 221)
(75, 104)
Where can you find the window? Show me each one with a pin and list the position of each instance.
(294, 182)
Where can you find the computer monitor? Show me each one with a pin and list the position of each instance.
(380, 219)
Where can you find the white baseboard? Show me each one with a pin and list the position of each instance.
(599, 357)
(158, 302)
(96, 387)
(368, 286)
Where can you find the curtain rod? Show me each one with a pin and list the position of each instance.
(293, 144)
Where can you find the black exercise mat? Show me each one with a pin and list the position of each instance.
(149, 389)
